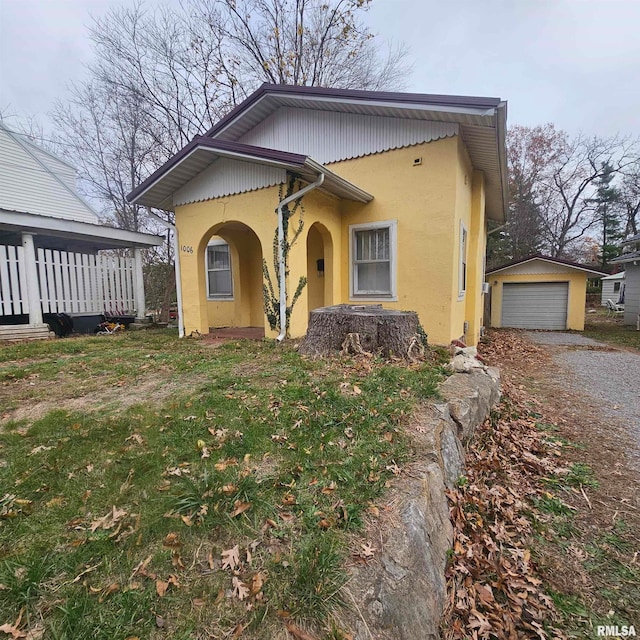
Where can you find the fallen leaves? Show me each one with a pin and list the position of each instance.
(163, 585)
(12, 506)
(108, 521)
(493, 588)
(240, 507)
(13, 630)
(240, 590)
(231, 558)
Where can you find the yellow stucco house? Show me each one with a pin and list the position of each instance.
(304, 197)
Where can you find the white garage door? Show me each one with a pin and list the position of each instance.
(535, 305)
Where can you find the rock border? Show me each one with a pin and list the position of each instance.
(400, 595)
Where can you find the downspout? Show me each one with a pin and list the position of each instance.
(282, 275)
(176, 248)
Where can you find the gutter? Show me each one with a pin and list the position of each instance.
(282, 275)
(176, 248)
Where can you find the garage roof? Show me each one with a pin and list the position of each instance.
(559, 261)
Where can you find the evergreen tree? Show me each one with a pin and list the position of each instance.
(609, 216)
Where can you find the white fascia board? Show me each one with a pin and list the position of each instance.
(404, 106)
(37, 224)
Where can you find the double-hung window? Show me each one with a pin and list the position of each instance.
(219, 281)
(462, 270)
(373, 260)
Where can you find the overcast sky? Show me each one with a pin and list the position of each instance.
(572, 62)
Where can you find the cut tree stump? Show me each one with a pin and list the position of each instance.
(367, 329)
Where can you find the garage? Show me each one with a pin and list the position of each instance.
(535, 305)
(539, 292)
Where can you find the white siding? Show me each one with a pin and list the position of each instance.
(329, 137)
(64, 171)
(27, 186)
(535, 305)
(632, 294)
(225, 177)
(608, 289)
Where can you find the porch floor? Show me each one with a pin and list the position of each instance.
(245, 333)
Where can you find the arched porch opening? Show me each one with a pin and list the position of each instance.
(319, 267)
(231, 258)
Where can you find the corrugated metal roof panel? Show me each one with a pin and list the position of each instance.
(328, 136)
(225, 177)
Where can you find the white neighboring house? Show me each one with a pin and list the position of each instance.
(51, 243)
(612, 288)
(630, 259)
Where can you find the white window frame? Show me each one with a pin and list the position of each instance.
(210, 296)
(463, 264)
(392, 296)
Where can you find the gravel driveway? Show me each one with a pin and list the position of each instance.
(607, 375)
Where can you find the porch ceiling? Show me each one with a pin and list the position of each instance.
(157, 191)
(56, 233)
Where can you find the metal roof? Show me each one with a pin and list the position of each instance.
(157, 191)
(482, 122)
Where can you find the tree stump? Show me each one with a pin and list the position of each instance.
(360, 329)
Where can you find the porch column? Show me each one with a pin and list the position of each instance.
(31, 278)
(139, 285)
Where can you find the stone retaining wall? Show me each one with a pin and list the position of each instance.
(400, 595)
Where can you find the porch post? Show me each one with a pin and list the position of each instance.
(139, 285)
(31, 278)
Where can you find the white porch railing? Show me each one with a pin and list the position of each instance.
(13, 285)
(68, 282)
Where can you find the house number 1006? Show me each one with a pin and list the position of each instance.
(187, 248)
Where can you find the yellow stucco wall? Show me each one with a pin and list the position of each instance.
(577, 293)
(427, 200)
(225, 217)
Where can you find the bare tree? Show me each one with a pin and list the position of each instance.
(630, 197)
(530, 153)
(301, 42)
(554, 180)
(571, 183)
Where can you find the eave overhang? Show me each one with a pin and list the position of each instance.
(157, 191)
(634, 256)
(482, 123)
(98, 236)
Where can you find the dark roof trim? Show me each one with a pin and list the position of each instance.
(246, 150)
(539, 256)
(473, 102)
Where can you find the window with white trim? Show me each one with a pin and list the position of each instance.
(373, 259)
(462, 271)
(219, 281)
